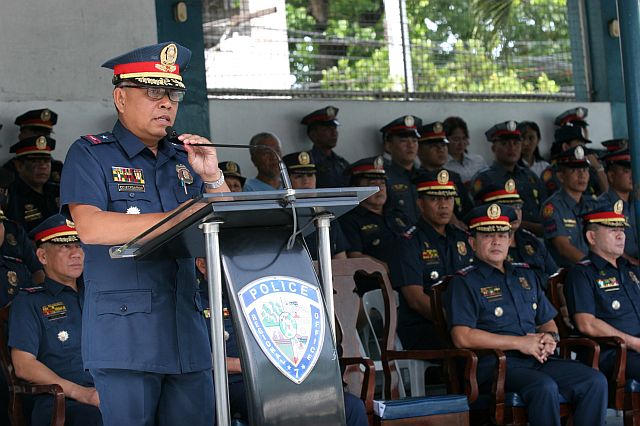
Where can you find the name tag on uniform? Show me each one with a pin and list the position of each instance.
(130, 187)
(491, 293)
(54, 311)
(608, 284)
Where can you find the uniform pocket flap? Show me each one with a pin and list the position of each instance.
(124, 302)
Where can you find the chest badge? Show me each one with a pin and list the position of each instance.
(529, 249)
(462, 248)
(133, 210)
(63, 336)
(498, 311)
(615, 305)
(524, 283)
(11, 239)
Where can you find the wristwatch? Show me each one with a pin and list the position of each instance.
(216, 184)
(553, 334)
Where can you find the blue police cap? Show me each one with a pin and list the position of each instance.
(507, 130)
(369, 168)
(495, 192)
(574, 158)
(407, 125)
(40, 146)
(436, 183)
(232, 169)
(490, 218)
(569, 133)
(37, 118)
(574, 116)
(606, 214)
(55, 229)
(326, 115)
(433, 133)
(158, 65)
(299, 162)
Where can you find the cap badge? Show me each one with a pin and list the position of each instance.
(378, 163)
(618, 206)
(579, 153)
(494, 211)
(511, 126)
(510, 186)
(580, 112)
(443, 177)
(437, 127)
(303, 158)
(168, 57)
(45, 115)
(63, 336)
(70, 224)
(409, 121)
(331, 112)
(232, 167)
(41, 142)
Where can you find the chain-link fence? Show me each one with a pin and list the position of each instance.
(387, 49)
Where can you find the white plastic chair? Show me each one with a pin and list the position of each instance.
(373, 303)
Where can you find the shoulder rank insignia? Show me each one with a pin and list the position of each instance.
(521, 265)
(101, 138)
(32, 290)
(464, 271)
(584, 262)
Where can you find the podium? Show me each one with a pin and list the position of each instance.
(282, 315)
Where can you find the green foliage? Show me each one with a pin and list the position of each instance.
(461, 46)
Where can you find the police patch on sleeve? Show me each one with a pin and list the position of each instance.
(286, 317)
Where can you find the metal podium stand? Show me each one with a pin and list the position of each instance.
(282, 316)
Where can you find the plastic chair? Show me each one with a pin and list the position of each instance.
(373, 303)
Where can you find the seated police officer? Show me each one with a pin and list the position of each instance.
(433, 155)
(266, 162)
(561, 212)
(603, 290)
(618, 167)
(302, 173)
(567, 137)
(524, 246)
(495, 304)
(506, 144)
(232, 175)
(371, 229)
(45, 327)
(436, 249)
(322, 130)
(31, 197)
(400, 138)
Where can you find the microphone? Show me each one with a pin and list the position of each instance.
(172, 137)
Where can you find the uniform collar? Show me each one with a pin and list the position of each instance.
(568, 199)
(55, 288)
(133, 146)
(430, 230)
(486, 270)
(399, 169)
(318, 153)
(601, 264)
(516, 169)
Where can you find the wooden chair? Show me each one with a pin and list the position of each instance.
(499, 406)
(344, 272)
(18, 387)
(623, 395)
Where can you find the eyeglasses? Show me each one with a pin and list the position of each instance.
(157, 93)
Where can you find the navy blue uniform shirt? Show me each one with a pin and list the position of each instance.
(336, 238)
(552, 184)
(401, 191)
(527, 182)
(46, 322)
(562, 217)
(28, 207)
(593, 286)
(510, 303)
(531, 251)
(134, 305)
(631, 247)
(424, 260)
(18, 261)
(329, 169)
(373, 234)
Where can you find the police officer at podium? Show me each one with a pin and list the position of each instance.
(145, 343)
